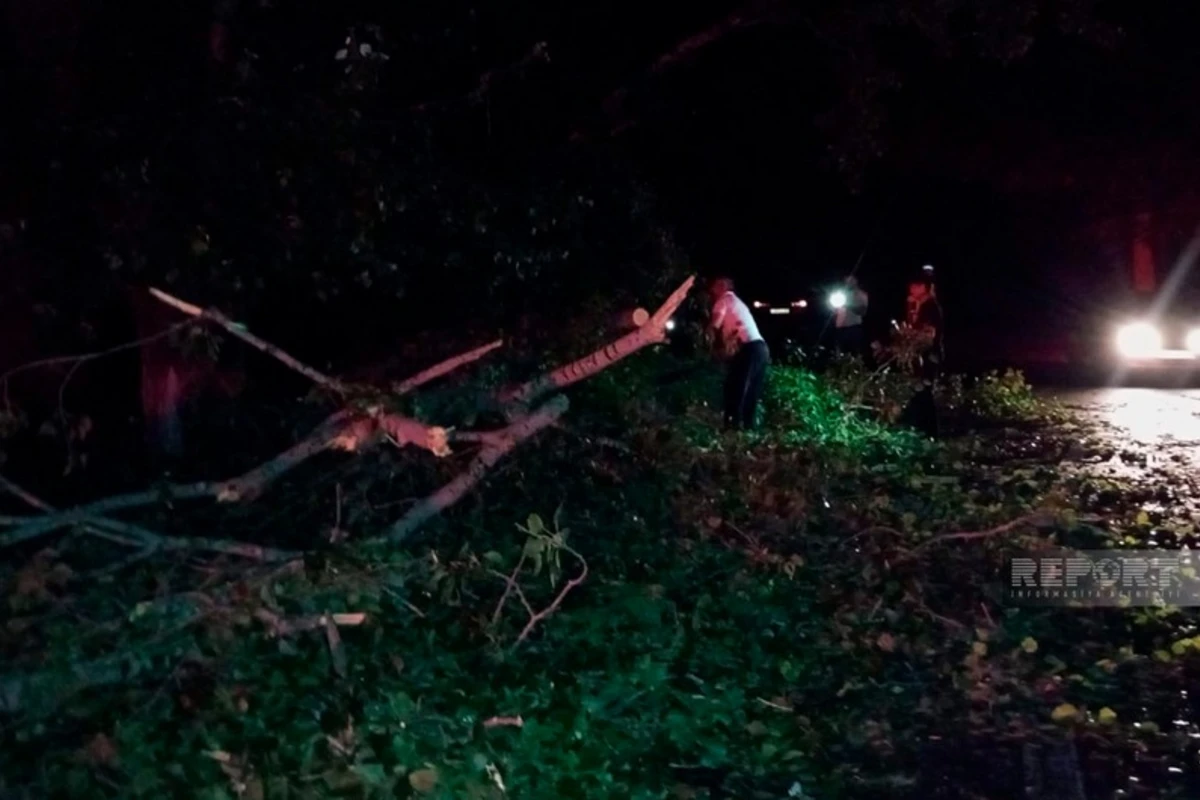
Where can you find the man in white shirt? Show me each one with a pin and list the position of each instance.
(738, 340)
(848, 319)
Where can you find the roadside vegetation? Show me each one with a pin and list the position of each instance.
(635, 605)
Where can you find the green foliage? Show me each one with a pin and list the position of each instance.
(762, 615)
(998, 396)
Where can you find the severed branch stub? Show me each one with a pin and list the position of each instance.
(504, 722)
(280, 626)
(654, 331)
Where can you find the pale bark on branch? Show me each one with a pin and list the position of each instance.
(499, 445)
(438, 370)
(352, 430)
(282, 626)
(653, 332)
(249, 338)
(341, 431)
(131, 535)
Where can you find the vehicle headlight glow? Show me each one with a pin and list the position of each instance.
(1139, 339)
(838, 299)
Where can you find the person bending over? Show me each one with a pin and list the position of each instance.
(740, 343)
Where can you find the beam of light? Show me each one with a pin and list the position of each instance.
(1170, 287)
(837, 299)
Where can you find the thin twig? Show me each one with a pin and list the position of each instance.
(510, 583)
(874, 529)
(550, 609)
(987, 615)
(22, 494)
(999, 530)
(83, 357)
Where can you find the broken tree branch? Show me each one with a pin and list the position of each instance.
(343, 430)
(77, 360)
(503, 443)
(653, 332)
(33, 527)
(550, 609)
(504, 722)
(246, 336)
(130, 535)
(339, 431)
(510, 585)
(279, 626)
(438, 370)
(1033, 519)
(22, 494)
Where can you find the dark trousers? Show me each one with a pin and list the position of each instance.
(850, 340)
(921, 411)
(744, 383)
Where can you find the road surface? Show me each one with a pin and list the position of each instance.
(1165, 420)
(1146, 437)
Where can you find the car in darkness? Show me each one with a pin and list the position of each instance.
(1154, 336)
(788, 318)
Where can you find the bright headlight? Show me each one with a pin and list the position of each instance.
(837, 299)
(1139, 339)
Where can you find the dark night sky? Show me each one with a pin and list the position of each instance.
(988, 171)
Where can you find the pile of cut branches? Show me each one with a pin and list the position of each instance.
(365, 420)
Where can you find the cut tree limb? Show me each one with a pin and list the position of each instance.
(343, 430)
(438, 370)
(334, 431)
(249, 338)
(131, 535)
(653, 332)
(500, 444)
